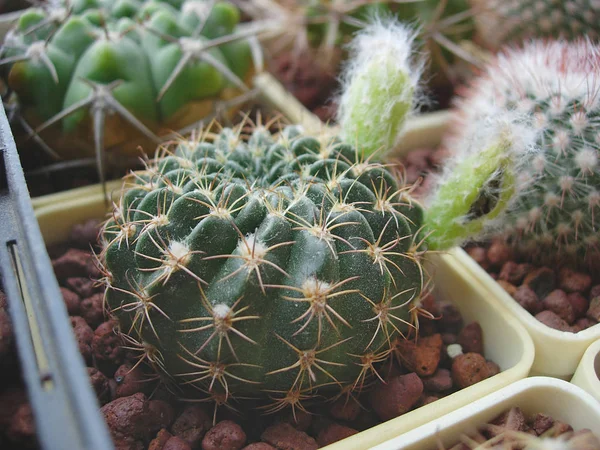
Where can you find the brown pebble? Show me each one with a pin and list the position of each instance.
(396, 397)
(528, 299)
(6, 333)
(22, 427)
(10, 400)
(479, 254)
(468, 369)
(426, 399)
(73, 263)
(129, 417)
(550, 319)
(92, 309)
(542, 281)
(100, 384)
(451, 320)
(84, 336)
(595, 291)
(71, 300)
(593, 311)
(82, 286)
(176, 443)
(493, 368)
(579, 304)
(559, 428)
(541, 423)
(107, 345)
(160, 440)
(498, 253)
(283, 436)
(440, 381)
(192, 424)
(558, 302)
(571, 281)
(161, 414)
(334, 432)
(583, 324)
(471, 338)
(449, 338)
(259, 446)
(513, 420)
(345, 408)
(511, 289)
(422, 356)
(300, 420)
(514, 273)
(225, 435)
(129, 381)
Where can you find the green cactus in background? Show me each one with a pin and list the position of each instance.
(527, 133)
(109, 71)
(514, 21)
(278, 266)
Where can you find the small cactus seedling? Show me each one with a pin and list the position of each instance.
(528, 134)
(101, 73)
(502, 21)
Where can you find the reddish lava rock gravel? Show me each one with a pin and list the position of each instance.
(142, 414)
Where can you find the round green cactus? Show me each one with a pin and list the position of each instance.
(141, 66)
(278, 266)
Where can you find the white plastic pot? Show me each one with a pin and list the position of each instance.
(557, 398)
(557, 353)
(587, 375)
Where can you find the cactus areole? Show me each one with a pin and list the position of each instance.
(281, 266)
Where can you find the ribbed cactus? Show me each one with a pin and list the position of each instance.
(502, 21)
(528, 135)
(280, 266)
(102, 73)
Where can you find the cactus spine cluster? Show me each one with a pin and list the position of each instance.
(528, 133)
(106, 72)
(501, 21)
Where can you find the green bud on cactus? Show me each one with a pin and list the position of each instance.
(275, 266)
(380, 86)
(526, 155)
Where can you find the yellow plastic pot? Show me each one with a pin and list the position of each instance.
(587, 375)
(557, 398)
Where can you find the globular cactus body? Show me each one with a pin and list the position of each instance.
(510, 21)
(528, 128)
(145, 66)
(273, 267)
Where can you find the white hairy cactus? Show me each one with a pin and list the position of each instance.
(526, 158)
(380, 85)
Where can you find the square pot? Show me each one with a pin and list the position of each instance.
(587, 375)
(557, 353)
(559, 399)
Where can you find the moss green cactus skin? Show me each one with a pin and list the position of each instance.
(105, 41)
(273, 267)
